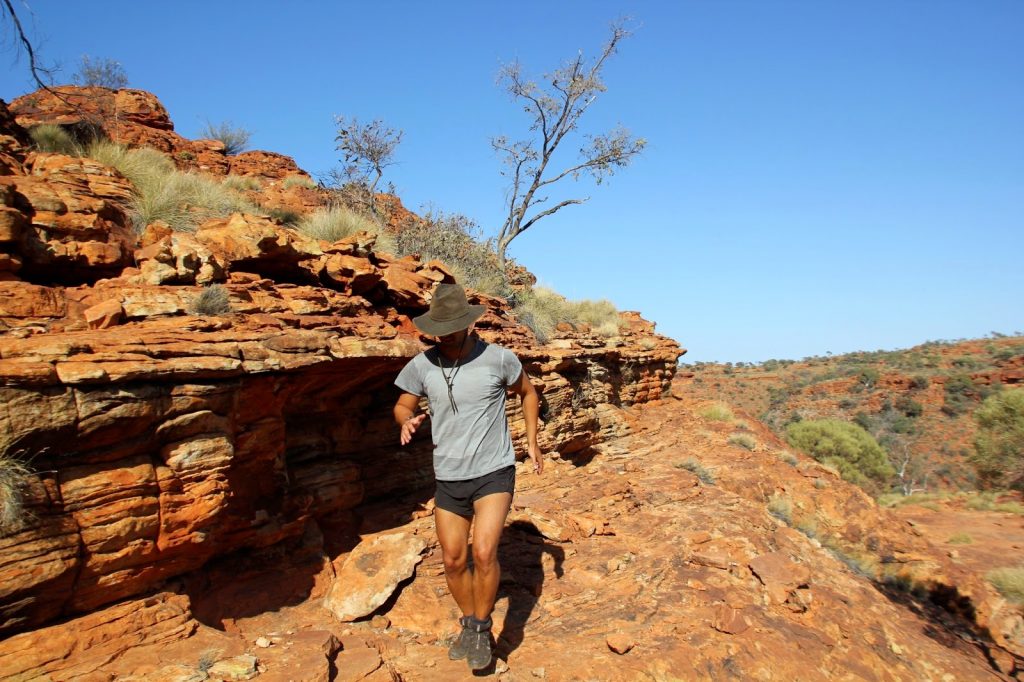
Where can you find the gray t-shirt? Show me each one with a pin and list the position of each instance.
(472, 439)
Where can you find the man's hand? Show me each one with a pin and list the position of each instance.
(409, 427)
(537, 457)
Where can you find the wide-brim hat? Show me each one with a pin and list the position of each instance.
(449, 312)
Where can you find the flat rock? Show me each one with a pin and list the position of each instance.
(371, 572)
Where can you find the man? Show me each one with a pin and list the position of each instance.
(465, 381)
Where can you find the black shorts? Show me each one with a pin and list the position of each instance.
(458, 496)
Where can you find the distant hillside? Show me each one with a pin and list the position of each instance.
(918, 403)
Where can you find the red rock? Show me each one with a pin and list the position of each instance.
(730, 621)
(23, 300)
(620, 643)
(370, 574)
(104, 315)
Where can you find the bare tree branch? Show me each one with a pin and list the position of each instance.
(556, 110)
(38, 71)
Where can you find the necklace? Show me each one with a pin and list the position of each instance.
(449, 379)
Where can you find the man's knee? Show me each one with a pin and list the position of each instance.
(454, 562)
(485, 554)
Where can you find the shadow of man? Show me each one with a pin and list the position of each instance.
(520, 553)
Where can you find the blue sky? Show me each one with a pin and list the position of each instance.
(820, 176)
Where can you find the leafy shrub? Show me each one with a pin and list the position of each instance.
(453, 239)
(960, 392)
(909, 407)
(298, 181)
(13, 475)
(999, 445)
(212, 300)
(743, 440)
(919, 382)
(718, 412)
(182, 200)
(1009, 582)
(285, 216)
(695, 467)
(54, 139)
(334, 223)
(848, 447)
(105, 73)
(235, 138)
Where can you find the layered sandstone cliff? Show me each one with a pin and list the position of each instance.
(162, 439)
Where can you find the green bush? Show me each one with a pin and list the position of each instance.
(848, 447)
(54, 139)
(909, 407)
(999, 445)
(235, 138)
(284, 216)
(334, 223)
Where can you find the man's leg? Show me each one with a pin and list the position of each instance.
(489, 520)
(453, 534)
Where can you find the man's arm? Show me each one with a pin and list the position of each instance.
(405, 416)
(531, 410)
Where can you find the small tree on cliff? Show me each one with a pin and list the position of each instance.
(999, 445)
(105, 73)
(556, 106)
(368, 149)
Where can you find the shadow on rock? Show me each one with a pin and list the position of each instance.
(522, 582)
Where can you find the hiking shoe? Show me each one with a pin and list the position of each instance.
(479, 654)
(460, 649)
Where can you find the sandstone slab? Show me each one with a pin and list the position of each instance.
(370, 574)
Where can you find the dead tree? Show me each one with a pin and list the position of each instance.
(556, 107)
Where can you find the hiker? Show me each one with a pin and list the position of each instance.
(465, 381)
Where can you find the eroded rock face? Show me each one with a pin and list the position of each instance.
(165, 437)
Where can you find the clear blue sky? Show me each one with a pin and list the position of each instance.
(820, 176)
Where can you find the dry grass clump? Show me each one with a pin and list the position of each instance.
(212, 300)
(54, 139)
(743, 440)
(542, 309)
(960, 539)
(695, 467)
(781, 507)
(182, 200)
(298, 181)
(718, 412)
(13, 476)
(241, 183)
(331, 224)
(1009, 582)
